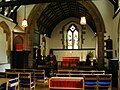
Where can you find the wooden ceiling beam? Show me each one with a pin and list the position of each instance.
(27, 2)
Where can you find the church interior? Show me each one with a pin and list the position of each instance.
(59, 44)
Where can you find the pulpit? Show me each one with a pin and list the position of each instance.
(19, 59)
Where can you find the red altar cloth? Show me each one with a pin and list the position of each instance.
(66, 83)
(69, 62)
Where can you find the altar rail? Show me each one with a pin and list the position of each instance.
(80, 72)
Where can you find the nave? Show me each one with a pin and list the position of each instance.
(79, 79)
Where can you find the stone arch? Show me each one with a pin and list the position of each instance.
(8, 37)
(38, 8)
(100, 27)
(35, 13)
(18, 40)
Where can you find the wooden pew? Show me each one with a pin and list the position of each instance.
(62, 75)
(64, 71)
(90, 81)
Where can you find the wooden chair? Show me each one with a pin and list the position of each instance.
(30, 71)
(26, 81)
(105, 81)
(2, 74)
(9, 70)
(13, 84)
(90, 81)
(12, 75)
(4, 83)
(39, 76)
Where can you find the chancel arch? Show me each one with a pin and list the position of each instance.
(47, 16)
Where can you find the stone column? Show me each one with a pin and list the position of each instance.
(100, 51)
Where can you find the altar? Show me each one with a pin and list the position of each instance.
(69, 62)
(67, 58)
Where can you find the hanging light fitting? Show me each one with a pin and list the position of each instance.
(83, 20)
(24, 22)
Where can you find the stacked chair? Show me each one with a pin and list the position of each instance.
(13, 83)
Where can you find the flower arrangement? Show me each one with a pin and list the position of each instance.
(90, 54)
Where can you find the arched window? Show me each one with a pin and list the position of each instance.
(72, 37)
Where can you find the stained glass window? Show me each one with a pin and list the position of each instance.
(72, 37)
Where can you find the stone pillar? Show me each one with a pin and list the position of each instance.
(100, 51)
(119, 77)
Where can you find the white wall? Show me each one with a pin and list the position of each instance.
(106, 9)
(3, 47)
(116, 41)
(4, 59)
(73, 53)
(55, 40)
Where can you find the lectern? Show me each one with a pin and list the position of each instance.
(19, 59)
